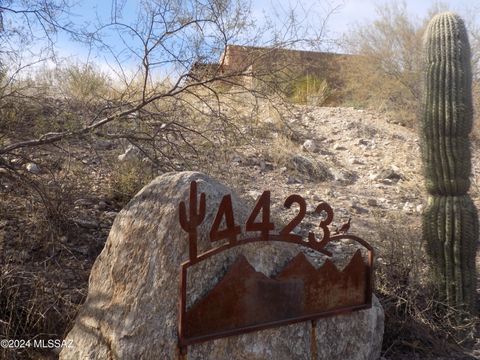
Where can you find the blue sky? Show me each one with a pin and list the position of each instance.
(353, 11)
(346, 13)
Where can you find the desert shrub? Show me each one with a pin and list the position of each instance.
(286, 153)
(310, 90)
(83, 83)
(365, 86)
(39, 291)
(386, 73)
(33, 307)
(282, 150)
(128, 178)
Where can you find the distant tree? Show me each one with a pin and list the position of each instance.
(152, 98)
(31, 26)
(388, 73)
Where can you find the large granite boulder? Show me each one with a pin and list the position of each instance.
(132, 305)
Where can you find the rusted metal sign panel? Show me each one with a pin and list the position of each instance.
(244, 299)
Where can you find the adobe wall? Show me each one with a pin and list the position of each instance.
(284, 63)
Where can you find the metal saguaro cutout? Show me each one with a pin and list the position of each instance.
(245, 300)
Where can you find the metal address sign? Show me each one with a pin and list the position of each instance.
(245, 300)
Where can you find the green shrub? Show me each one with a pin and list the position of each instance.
(310, 90)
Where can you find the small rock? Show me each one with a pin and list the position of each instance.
(237, 159)
(132, 153)
(314, 170)
(381, 261)
(358, 209)
(56, 350)
(419, 208)
(293, 180)
(344, 177)
(253, 161)
(363, 142)
(355, 161)
(308, 118)
(391, 175)
(254, 194)
(266, 165)
(102, 205)
(82, 202)
(372, 202)
(408, 207)
(104, 145)
(309, 145)
(395, 168)
(111, 214)
(310, 209)
(88, 224)
(16, 161)
(33, 168)
(339, 147)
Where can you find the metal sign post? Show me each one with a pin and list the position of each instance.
(245, 300)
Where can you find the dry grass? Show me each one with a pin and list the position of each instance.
(417, 325)
(127, 179)
(284, 152)
(42, 278)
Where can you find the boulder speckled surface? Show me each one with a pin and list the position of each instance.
(132, 304)
(356, 336)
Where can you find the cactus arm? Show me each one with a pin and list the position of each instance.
(195, 218)
(183, 217)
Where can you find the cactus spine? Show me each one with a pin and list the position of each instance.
(450, 222)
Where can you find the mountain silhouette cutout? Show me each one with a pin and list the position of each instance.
(245, 297)
(327, 287)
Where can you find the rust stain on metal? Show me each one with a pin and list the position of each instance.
(243, 298)
(246, 300)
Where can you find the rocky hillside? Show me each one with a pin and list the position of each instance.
(364, 165)
(358, 161)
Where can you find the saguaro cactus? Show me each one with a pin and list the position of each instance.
(450, 222)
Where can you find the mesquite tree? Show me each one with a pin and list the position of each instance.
(450, 221)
